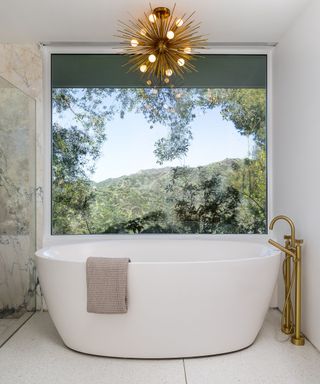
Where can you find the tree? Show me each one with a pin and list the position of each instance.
(246, 108)
(203, 202)
(76, 147)
(249, 178)
(176, 109)
(232, 201)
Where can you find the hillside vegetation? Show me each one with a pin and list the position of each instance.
(204, 199)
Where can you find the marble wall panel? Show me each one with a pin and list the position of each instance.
(20, 176)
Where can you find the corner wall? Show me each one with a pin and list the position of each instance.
(296, 150)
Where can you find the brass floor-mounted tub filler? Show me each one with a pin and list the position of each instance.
(291, 322)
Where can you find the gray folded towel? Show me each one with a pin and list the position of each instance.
(107, 285)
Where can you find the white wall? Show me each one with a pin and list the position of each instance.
(296, 150)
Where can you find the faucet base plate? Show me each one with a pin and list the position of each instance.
(298, 340)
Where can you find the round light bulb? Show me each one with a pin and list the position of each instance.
(152, 58)
(179, 22)
(143, 68)
(187, 50)
(169, 72)
(152, 18)
(166, 80)
(181, 62)
(134, 43)
(143, 32)
(149, 82)
(170, 35)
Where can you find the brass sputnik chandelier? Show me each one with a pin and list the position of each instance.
(161, 44)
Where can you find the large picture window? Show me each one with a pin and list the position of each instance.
(187, 159)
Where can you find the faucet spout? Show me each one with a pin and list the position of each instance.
(283, 249)
(291, 224)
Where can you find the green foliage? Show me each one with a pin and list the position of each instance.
(72, 207)
(226, 197)
(75, 149)
(249, 178)
(167, 107)
(246, 108)
(203, 200)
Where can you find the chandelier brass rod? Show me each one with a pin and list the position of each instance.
(127, 35)
(160, 66)
(190, 28)
(189, 17)
(170, 18)
(129, 32)
(134, 30)
(155, 24)
(153, 29)
(173, 65)
(166, 25)
(176, 19)
(187, 38)
(147, 24)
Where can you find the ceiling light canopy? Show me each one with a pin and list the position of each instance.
(161, 44)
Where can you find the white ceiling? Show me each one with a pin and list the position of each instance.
(225, 21)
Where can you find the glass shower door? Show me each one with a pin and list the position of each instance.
(17, 208)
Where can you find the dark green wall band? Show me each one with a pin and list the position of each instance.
(109, 71)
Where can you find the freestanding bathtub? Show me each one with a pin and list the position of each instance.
(185, 297)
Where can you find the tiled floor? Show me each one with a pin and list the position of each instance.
(5, 324)
(9, 326)
(35, 354)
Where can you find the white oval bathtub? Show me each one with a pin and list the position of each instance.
(185, 297)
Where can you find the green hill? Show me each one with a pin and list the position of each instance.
(147, 200)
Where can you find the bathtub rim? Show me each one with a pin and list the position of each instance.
(269, 251)
(71, 238)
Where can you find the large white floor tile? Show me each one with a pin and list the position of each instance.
(5, 324)
(9, 326)
(36, 355)
(272, 359)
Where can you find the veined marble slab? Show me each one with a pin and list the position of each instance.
(17, 200)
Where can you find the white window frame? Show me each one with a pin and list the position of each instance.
(49, 239)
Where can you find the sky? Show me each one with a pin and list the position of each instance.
(130, 143)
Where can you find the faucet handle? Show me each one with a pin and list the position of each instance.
(299, 242)
(287, 239)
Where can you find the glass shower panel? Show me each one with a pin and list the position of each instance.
(17, 208)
